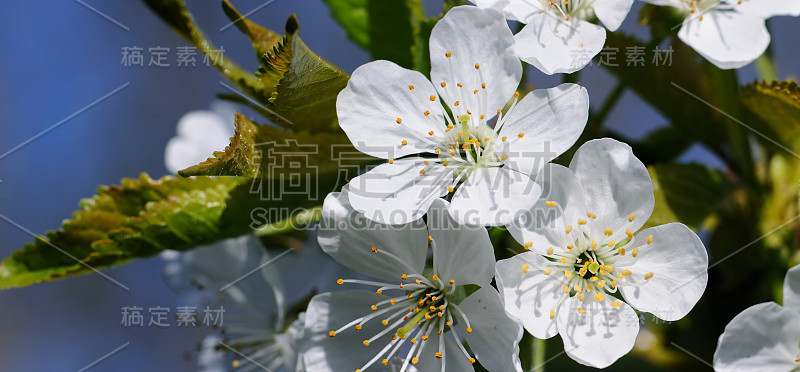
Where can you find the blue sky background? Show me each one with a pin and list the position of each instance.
(59, 58)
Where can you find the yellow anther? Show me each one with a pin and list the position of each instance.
(427, 112)
(577, 288)
(616, 304)
(568, 274)
(471, 360)
(520, 135)
(599, 296)
(594, 278)
(410, 87)
(565, 288)
(631, 217)
(385, 362)
(581, 311)
(550, 250)
(648, 276)
(516, 94)
(435, 278)
(459, 85)
(581, 222)
(569, 229)
(649, 239)
(528, 245)
(469, 330)
(551, 204)
(358, 327)
(552, 314)
(424, 338)
(373, 307)
(366, 342)
(457, 103)
(391, 161)
(332, 334)
(444, 84)
(570, 247)
(581, 296)
(438, 355)
(393, 302)
(601, 284)
(379, 292)
(449, 189)
(594, 244)
(477, 66)
(448, 54)
(635, 252)
(340, 281)
(504, 138)
(422, 172)
(629, 234)
(399, 121)
(483, 86)
(433, 98)
(612, 243)
(614, 283)
(374, 249)
(404, 276)
(547, 271)
(235, 364)
(563, 260)
(608, 232)
(404, 142)
(452, 281)
(430, 133)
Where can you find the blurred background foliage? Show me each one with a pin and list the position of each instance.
(721, 147)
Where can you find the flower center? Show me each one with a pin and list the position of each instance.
(423, 306)
(595, 260)
(568, 8)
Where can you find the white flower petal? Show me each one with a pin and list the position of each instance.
(495, 337)
(461, 253)
(616, 184)
(791, 289)
(200, 133)
(554, 45)
(543, 226)
(612, 12)
(493, 196)
(454, 358)
(377, 95)
(398, 193)
(348, 237)
(523, 10)
(769, 8)
(345, 352)
(474, 37)
(550, 120)
(679, 263)
(761, 338)
(529, 297)
(726, 39)
(599, 337)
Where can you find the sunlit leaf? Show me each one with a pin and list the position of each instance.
(687, 193)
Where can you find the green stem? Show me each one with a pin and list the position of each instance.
(300, 219)
(539, 351)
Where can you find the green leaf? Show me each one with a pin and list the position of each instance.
(142, 217)
(388, 29)
(263, 39)
(256, 151)
(663, 86)
(688, 193)
(776, 108)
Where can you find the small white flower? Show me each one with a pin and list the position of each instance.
(764, 337)
(729, 33)
(256, 323)
(587, 266)
(200, 134)
(419, 316)
(397, 114)
(558, 37)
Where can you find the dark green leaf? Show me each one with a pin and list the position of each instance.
(388, 29)
(688, 193)
(776, 107)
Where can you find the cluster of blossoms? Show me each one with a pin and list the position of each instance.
(464, 150)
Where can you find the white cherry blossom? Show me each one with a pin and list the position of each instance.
(418, 317)
(764, 337)
(200, 133)
(729, 33)
(482, 157)
(558, 36)
(587, 268)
